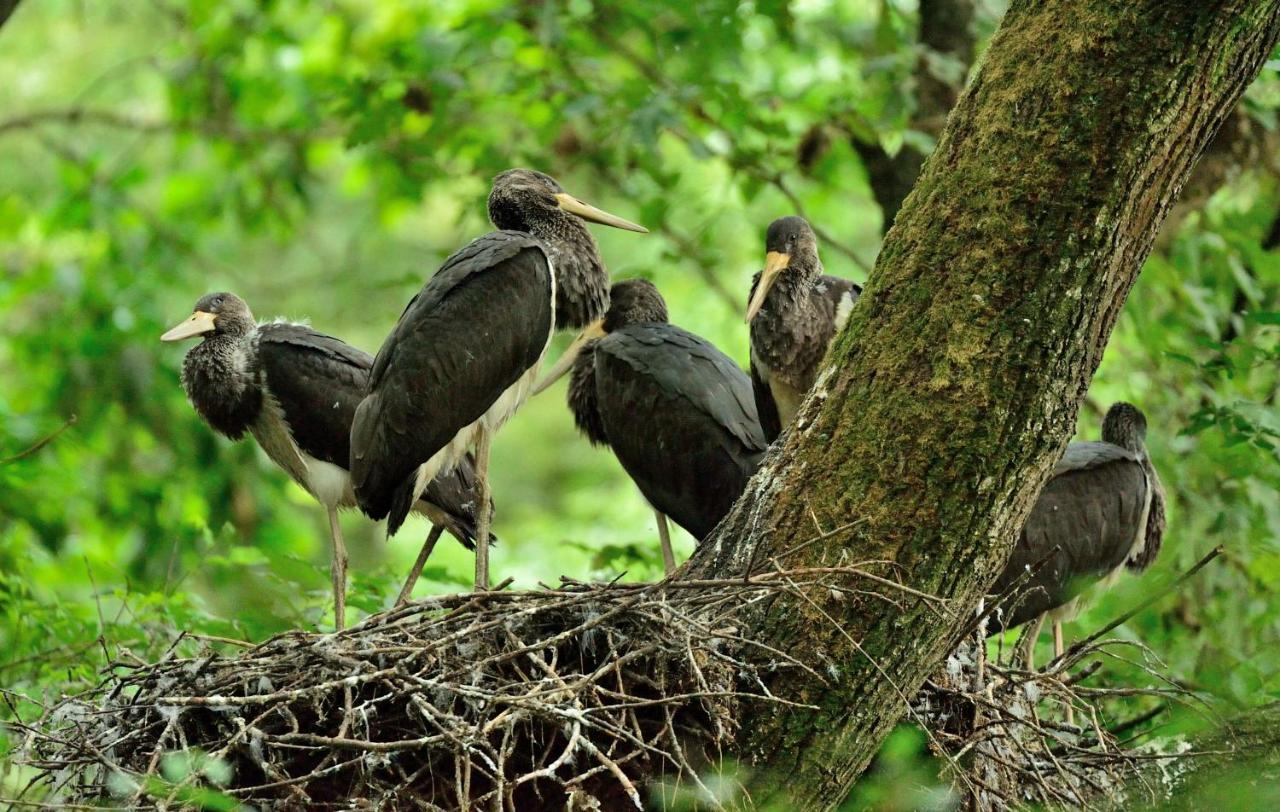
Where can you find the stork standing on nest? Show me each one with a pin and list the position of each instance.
(795, 312)
(466, 350)
(295, 390)
(678, 413)
(1102, 512)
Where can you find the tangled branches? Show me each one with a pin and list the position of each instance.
(1002, 729)
(498, 700)
(582, 697)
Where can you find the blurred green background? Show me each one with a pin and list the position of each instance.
(322, 158)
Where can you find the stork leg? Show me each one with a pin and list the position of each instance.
(338, 571)
(664, 536)
(1027, 648)
(427, 547)
(483, 513)
(1058, 649)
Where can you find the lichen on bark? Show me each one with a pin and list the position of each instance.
(955, 385)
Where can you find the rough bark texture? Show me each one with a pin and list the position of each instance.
(956, 383)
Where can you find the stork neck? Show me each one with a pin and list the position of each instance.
(219, 377)
(582, 281)
(794, 286)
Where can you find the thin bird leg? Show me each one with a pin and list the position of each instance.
(427, 547)
(981, 642)
(338, 571)
(1058, 648)
(1026, 651)
(664, 536)
(484, 513)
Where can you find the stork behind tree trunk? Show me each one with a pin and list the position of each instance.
(795, 312)
(1102, 512)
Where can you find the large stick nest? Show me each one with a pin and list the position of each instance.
(517, 700)
(584, 697)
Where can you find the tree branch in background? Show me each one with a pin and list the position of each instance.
(7, 7)
(946, 34)
(39, 444)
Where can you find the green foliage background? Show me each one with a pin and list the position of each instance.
(322, 158)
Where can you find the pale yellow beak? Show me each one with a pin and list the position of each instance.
(586, 211)
(200, 322)
(591, 332)
(774, 263)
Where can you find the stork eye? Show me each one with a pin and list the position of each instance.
(217, 301)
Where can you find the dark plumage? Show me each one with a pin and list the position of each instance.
(794, 314)
(432, 382)
(296, 391)
(677, 412)
(1103, 510)
(464, 353)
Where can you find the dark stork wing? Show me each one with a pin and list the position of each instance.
(476, 326)
(318, 382)
(1083, 526)
(681, 419)
(583, 400)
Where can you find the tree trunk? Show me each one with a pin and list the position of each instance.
(955, 385)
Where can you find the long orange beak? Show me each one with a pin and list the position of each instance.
(774, 263)
(592, 331)
(200, 322)
(586, 211)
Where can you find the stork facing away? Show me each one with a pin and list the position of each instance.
(678, 413)
(1101, 513)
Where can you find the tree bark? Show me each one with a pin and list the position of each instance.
(955, 385)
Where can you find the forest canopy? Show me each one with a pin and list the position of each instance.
(322, 159)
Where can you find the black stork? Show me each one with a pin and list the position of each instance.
(795, 312)
(1102, 512)
(296, 390)
(678, 413)
(466, 350)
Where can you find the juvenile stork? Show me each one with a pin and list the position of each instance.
(466, 350)
(795, 312)
(295, 390)
(1102, 512)
(678, 413)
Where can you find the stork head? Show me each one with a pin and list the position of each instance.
(791, 249)
(220, 313)
(528, 200)
(634, 301)
(1126, 426)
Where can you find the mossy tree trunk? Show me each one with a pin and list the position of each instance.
(955, 385)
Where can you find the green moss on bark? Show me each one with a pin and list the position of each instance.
(956, 382)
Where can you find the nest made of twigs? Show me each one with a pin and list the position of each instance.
(576, 698)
